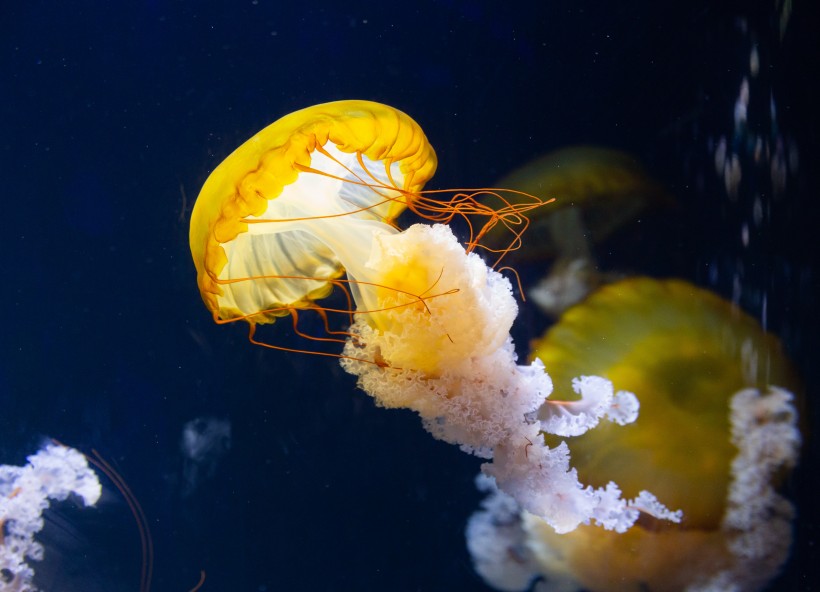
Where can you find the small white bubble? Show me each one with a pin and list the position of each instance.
(757, 211)
(720, 156)
(737, 289)
(794, 158)
(713, 274)
(732, 176)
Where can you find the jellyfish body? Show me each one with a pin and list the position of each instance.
(313, 197)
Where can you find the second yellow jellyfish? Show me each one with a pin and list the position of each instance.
(716, 433)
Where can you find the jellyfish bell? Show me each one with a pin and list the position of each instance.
(298, 204)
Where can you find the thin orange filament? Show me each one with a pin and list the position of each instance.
(201, 581)
(324, 312)
(146, 542)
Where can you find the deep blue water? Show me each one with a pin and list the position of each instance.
(113, 114)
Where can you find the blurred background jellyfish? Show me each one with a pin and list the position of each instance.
(717, 434)
(309, 204)
(598, 192)
(204, 443)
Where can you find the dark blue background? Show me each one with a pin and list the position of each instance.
(112, 114)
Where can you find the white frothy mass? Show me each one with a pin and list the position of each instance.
(442, 335)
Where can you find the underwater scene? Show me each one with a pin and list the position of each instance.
(444, 296)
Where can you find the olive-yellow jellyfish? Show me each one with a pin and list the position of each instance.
(309, 204)
(598, 191)
(716, 433)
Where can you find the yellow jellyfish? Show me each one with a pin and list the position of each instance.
(715, 434)
(299, 204)
(309, 204)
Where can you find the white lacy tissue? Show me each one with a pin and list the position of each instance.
(573, 418)
(452, 362)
